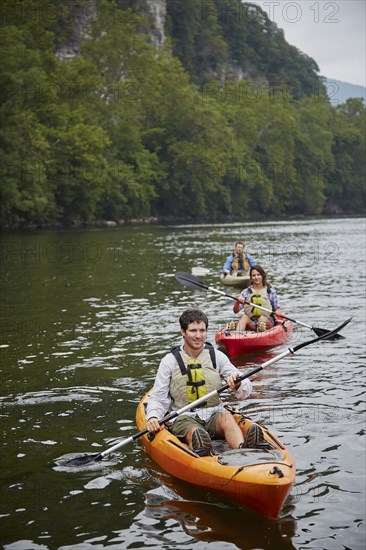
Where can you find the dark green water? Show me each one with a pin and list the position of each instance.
(86, 317)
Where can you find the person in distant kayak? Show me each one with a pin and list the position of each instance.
(187, 373)
(239, 261)
(260, 293)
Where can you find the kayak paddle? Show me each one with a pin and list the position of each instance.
(86, 459)
(191, 281)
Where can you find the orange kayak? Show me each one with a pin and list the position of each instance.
(237, 342)
(258, 479)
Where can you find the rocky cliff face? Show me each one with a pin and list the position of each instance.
(155, 9)
(157, 12)
(80, 21)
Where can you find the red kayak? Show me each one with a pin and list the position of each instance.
(237, 342)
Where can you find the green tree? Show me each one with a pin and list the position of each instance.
(120, 131)
(345, 190)
(25, 152)
(313, 146)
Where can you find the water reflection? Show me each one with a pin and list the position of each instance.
(205, 518)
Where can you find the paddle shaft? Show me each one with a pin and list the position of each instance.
(204, 398)
(260, 307)
(280, 315)
(193, 282)
(192, 405)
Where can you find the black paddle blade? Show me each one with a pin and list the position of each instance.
(84, 460)
(324, 332)
(186, 279)
(327, 336)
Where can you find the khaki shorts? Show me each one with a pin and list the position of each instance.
(185, 423)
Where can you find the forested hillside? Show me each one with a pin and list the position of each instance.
(231, 39)
(128, 128)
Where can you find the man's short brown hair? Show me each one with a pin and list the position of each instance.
(191, 316)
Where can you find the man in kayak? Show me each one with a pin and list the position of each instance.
(187, 373)
(239, 261)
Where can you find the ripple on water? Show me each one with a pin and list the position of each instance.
(74, 463)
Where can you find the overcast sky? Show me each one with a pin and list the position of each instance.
(332, 33)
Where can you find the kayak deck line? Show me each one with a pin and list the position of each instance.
(186, 449)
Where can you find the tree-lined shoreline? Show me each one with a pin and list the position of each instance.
(124, 132)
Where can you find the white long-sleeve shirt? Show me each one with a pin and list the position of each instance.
(160, 401)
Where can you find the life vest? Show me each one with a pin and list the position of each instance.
(261, 298)
(194, 378)
(240, 262)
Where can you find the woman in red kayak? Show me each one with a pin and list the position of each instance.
(259, 293)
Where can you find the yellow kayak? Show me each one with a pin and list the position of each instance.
(259, 479)
(240, 280)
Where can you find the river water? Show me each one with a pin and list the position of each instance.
(87, 316)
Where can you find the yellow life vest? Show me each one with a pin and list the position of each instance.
(194, 378)
(261, 299)
(240, 262)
